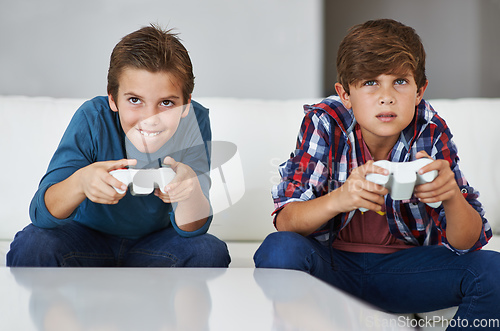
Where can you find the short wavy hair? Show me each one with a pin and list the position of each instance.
(378, 47)
(153, 49)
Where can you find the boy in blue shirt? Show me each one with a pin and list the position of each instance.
(402, 256)
(148, 119)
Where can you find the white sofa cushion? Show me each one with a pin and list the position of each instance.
(474, 125)
(32, 128)
(265, 133)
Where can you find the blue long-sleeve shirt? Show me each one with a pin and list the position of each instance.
(95, 134)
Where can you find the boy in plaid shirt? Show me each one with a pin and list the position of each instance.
(402, 256)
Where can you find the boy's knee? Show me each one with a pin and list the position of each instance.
(33, 247)
(209, 252)
(487, 267)
(481, 275)
(284, 250)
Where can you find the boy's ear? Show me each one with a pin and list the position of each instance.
(420, 93)
(186, 106)
(344, 96)
(112, 103)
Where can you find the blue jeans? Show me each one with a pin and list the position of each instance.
(75, 245)
(418, 279)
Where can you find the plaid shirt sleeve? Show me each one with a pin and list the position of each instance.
(305, 175)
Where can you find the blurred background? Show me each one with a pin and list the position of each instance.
(265, 49)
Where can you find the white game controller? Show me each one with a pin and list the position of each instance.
(402, 178)
(143, 180)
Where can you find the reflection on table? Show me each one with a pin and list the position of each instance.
(302, 302)
(163, 299)
(118, 299)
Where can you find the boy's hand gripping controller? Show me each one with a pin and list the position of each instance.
(402, 178)
(143, 180)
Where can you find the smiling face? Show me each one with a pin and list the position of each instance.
(150, 106)
(382, 106)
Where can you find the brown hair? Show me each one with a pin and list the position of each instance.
(155, 50)
(380, 47)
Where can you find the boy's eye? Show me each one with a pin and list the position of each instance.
(369, 83)
(134, 101)
(401, 81)
(167, 103)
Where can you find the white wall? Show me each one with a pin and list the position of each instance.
(269, 49)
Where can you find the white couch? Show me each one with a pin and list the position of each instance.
(264, 133)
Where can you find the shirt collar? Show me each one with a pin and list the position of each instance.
(334, 107)
(423, 116)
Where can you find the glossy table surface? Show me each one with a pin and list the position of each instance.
(178, 299)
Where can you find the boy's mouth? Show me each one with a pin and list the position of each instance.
(149, 133)
(386, 116)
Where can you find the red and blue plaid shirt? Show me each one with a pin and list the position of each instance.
(329, 147)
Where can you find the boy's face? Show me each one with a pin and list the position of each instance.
(383, 106)
(150, 107)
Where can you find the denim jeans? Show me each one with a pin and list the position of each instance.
(413, 280)
(75, 245)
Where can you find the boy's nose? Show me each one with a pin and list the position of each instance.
(386, 97)
(386, 100)
(150, 117)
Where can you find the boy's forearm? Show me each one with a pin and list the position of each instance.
(289, 219)
(304, 217)
(463, 223)
(192, 214)
(63, 198)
